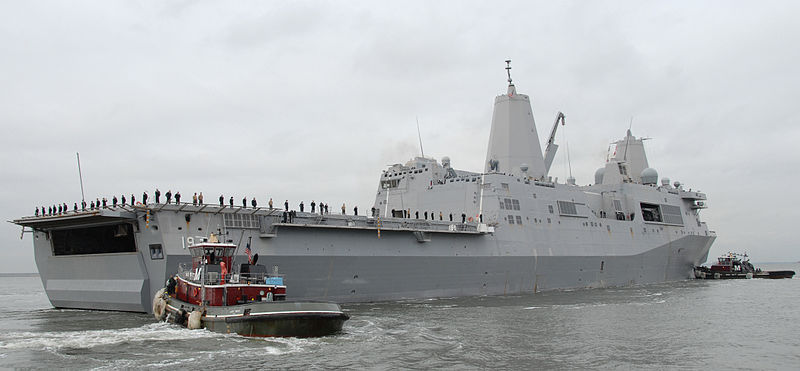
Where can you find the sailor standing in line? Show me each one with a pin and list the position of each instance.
(37, 211)
(244, 202)
(270, 203)
(105, 202)
(355, 210)
(200, 198)
(312, 206)
(301, 206)
(177, 197)
(343, 209)
(230, 201)
(133, 200)
(194, 199)
(123, 200)
(286, 205)
(144, 198)
(221, 200)
(114, 201)
(169, 196)
(440, 215)
(158, 195)
(253, 202)
(75, 207)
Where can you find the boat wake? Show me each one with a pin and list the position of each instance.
(95, 338)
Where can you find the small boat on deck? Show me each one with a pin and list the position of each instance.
(250, 302)
(737, 266)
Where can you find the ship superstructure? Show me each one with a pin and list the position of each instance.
(434, 231)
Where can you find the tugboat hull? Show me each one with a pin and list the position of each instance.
(261, 319)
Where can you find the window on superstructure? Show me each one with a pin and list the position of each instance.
(509, 205)
(617, 205)
(246, 221)
(504, 185)
(502, 205)
(519, 219)
(672, 214)
(567, 208)
(156, 252)
(510, 219)
(550, 208)
(515, 204)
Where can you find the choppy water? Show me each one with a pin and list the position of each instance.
(738, 324)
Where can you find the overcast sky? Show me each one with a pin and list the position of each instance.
(311, 100)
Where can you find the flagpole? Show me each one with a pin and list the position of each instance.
(80, 176)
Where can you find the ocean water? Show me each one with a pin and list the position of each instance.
(736, 324)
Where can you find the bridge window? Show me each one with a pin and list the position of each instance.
(391, 183)
(519, 219)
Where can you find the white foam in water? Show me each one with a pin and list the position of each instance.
(88, 339)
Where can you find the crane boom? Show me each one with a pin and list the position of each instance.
(550, 150)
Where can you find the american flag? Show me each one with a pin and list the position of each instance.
(248, 252)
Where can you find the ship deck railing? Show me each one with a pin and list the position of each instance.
(266, 220)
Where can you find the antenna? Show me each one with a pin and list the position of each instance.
(566, 144)
(627, 140)
(80, 176)
(508, 71)
(420, 139)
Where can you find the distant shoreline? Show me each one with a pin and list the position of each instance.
(19, 274)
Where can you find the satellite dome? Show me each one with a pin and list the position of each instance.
(524, 168)
(665, 182)
(598, 175)
(677, 184)
(649, 176)
(446, 161)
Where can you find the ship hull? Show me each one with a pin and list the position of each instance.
(359, 267)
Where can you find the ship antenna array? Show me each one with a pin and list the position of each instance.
(508, 71)
(80, 176)
(566, 144)
(419, 135)
(627, 140)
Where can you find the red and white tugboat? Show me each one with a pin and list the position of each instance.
(734, 266)
(249, 303)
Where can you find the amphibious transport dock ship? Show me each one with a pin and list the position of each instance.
(513, 230)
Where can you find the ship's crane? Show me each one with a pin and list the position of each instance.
(550, 150)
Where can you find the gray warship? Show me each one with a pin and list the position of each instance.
(434, 231)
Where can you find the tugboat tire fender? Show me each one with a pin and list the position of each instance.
(716, 276)
(159, 305)
(195, 320)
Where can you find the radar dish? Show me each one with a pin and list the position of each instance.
(649, 176)
(598, 175)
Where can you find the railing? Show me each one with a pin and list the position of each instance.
(212, 277)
